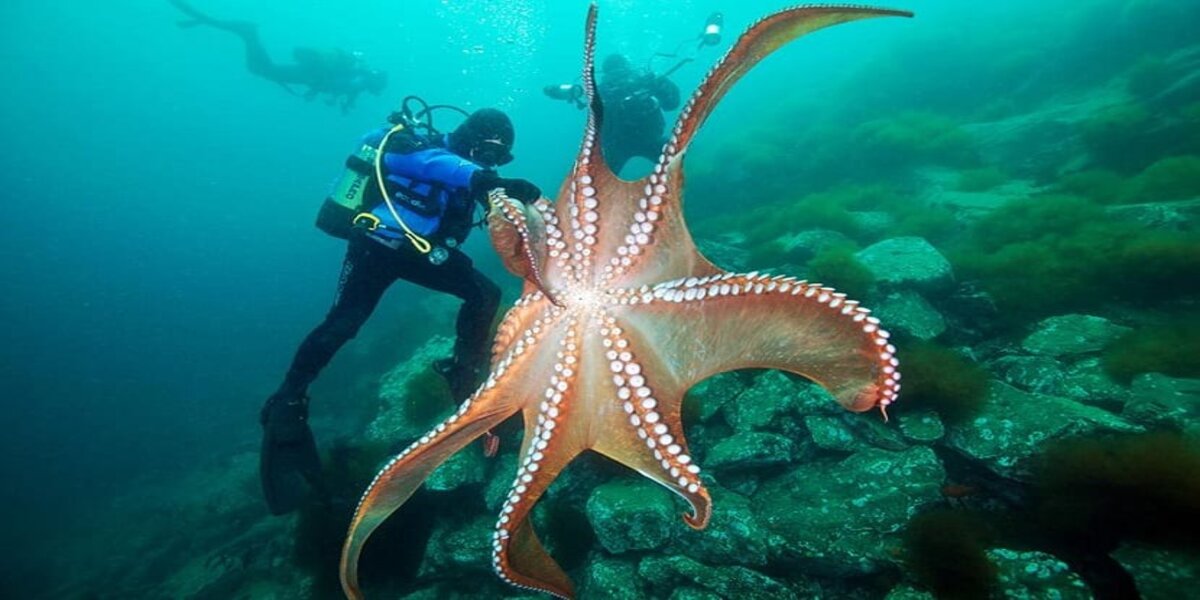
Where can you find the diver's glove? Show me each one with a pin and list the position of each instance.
(483, 181)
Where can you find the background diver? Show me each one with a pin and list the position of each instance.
(432, 184)
(337, 73)
(635, 99)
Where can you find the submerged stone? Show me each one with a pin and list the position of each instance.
(831, 433)
(922, 426)
(1158, 400)
(706, 399)
(907, 262)
(841, 518)
(666, 573)
(462, 469)
(1035, 575)
(612, 578)
(458, 547)
(751, 450)
(414, 399)
(764, 404)
(632, 514)
(734, 535)
(1071, 335)
(909, 313)
(1013, 427)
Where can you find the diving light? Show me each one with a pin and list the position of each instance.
(712, 30)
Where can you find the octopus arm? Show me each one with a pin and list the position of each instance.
(703, 326)
(764, 37)
(403, 474)
(518, 555)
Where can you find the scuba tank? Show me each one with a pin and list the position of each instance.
(345, 202)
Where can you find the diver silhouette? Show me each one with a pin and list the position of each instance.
(636, 98)
(340, 74)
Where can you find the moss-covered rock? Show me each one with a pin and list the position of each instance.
(459, 547)
(1014, 427)
(414, 398)
(908, 313)
(611, 578)
(464, 468)
(831, 433)
(734, 535)
(907, 262)
(1035, 575)
(751, 450)
(920, 426)
(1069, 335)
(665, 573)
(838, 518)
(632, 514)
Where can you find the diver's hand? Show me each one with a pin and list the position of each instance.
(484, 181)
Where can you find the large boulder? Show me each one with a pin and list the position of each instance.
(1158, 400)
(632, 514)
(666, 573)
(1035, 575)
(909, 313)
(1014, 427)
(413, 398)
(907, 263)
(751, 450)
(1070, 335)
(841, 518)
(734, 535)
(610, 578)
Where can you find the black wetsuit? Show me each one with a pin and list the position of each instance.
(369, 269)
(374, 261)
(633, 115)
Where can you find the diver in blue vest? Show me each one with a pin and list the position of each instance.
(337, 73)
(432, 183)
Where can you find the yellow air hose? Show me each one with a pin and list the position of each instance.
(421, 244)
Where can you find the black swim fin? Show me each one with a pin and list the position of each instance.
(289, 465)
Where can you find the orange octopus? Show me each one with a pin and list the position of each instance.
(620, 316)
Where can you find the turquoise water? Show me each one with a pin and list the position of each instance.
(161, 264)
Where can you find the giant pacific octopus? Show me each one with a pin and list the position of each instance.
(620, 315)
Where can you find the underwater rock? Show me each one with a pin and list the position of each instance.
(1159, 573)
(1162, 216)
(1158, 400)
(766, 404)
(631, 514)
(1088, 382)
(803, 246)
(458, 548)
(1042, 142)
(733, 537)
(462, 469)
(1084, 381)
(1014, 426)
(499, 479)
(841, 518)
(706, 398)
(907, 592)
(613, 578)
(907, 262)
(751, 450)
(921, 426)
(1068, 335)
(728, 251)
(872, 224)
(831, 433)
(669, 572)
(1035, 575)
(691, 593)
(404, 415)
(1041, 374)
(909, 313)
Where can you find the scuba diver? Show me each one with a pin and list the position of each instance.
(405, 203)
(339, 74)
(635, 99)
